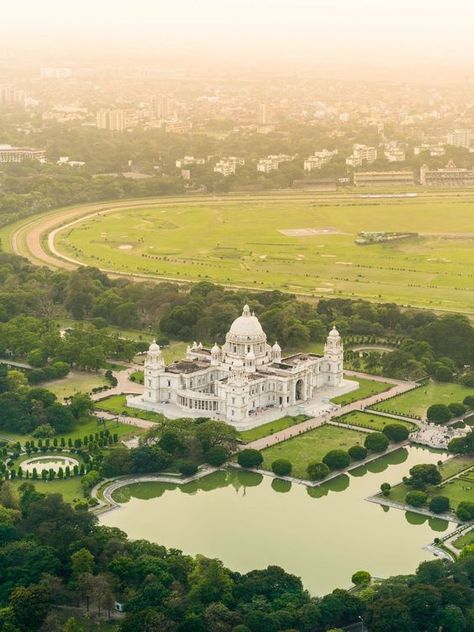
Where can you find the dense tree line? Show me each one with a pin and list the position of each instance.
(425, 343)
(52, 555)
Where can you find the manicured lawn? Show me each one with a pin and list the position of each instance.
(71, 488)
(464, 540)
(271, 427)
(75, 382)
(118, 404)
(84, 427)
(457, 464)
(312, 446)
(373, 422)
(255, 241)
(366, 389)
(417, 401)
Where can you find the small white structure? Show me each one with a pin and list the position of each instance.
(242, 379)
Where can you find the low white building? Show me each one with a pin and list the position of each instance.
(272, 162)
(228, 166)
(318, 159)
(361, 154)
(242, 379)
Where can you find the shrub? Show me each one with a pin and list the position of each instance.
(357, 452)
(396, 432)
(216, 456)
(468, 379)
(385, 489)
(416, 498)
(249, 458)
(468, 401)
(317, 471)
(376, 442)
(44, 430)
(337, 459)
(439, 504)
(281, 467)
(361, 577)
(438, 413)
(457, 409)
(188, 469)
(465, 511)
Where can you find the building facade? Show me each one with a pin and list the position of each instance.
(241, 379)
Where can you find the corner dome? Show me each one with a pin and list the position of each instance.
(154, 348)
(247, 325)
(334, 333)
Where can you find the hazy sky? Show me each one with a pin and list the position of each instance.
(415, 30)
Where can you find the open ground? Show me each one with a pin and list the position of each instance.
(239, 242)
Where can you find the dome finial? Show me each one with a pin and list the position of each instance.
(246, 311)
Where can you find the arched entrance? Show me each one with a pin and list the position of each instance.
(299, 390)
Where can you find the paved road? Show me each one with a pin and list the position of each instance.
(398, 388)
(124, 384)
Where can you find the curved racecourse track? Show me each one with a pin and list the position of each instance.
(34, 238)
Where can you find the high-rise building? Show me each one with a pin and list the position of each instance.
(460, 138)
(113, 120)
(361, 154)
(262, 114)
(12, 96)
(160, 106)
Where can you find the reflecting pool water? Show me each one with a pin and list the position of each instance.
(322, 534)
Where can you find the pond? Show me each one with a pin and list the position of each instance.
(321, 534)
(48, 462)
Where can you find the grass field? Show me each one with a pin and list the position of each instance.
(85, 427)
(258, 242)
(271, 427)
(70, 489)
(374, 422)
(311, 446)
(464, 540)
(417, 401)
(366, 389)
(118, 404)
(75, 382)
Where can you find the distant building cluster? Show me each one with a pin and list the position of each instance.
(228, 166)
(361, 154)
(272, 162)
(319, 159)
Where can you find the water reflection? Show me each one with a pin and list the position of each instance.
(281, 486)
(293, 526)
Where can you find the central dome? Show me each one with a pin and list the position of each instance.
(247, 325)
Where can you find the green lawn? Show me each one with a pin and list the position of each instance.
(75, 382)
(464, 540)
(457, 464)
(373, 422)
(118, 404)
(312, 446)
(366, 389)
(71, 489)
(84, 427)
(249, 244)
(417, 401)
(271, 427)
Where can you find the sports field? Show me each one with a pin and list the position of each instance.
(300, 244)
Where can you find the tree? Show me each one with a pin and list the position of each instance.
(385, 489)
(416, 498)
(389, 615)
(376, 442)
(465, 511)
(30, 606)
(281, 467)
(439, 504)
(337, 459)
(452, 619)
(468, 401)
(361, 577)
(249, 458)
(216, 456)
(317, 471)
(357, 452)
(188, 469)
(82, 561)
(423, 474)
(59, 417)
(117, 461)
(395, 432)
(81, 405)
(209, 582)
(438, 413)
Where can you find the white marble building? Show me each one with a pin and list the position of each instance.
(241, 380)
